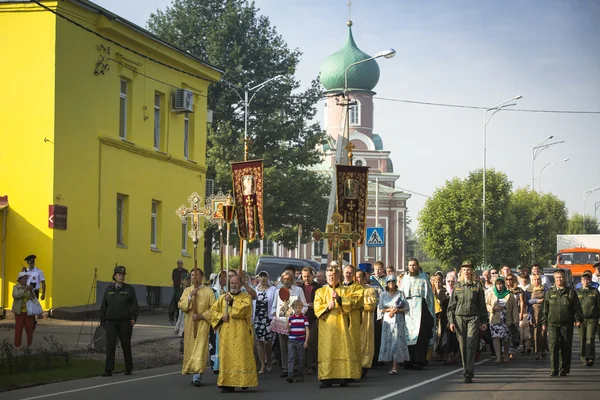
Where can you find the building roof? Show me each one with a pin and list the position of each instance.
(377, 141)
(114, 17)
(362, 77)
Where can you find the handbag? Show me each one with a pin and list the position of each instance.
(33, 307)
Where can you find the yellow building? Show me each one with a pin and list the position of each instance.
(110, 122)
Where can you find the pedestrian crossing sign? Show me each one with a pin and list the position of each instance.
(375, 237)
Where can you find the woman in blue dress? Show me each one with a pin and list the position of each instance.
(393, 337)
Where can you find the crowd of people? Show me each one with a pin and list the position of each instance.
(340, 322)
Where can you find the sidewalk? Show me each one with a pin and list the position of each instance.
(79, 333)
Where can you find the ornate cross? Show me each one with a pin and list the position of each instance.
(336, 233)
(194, 212)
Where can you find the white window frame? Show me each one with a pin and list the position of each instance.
(320, 245)
(354, 113)
(120, 220)
(186, 135)
(184, 236)
(157, 104)
(154, 225)
(123, 105)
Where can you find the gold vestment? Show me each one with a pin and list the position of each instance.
(367, 328)
(195, 350)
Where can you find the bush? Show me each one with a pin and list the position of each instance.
(48, 354)
(234, 263)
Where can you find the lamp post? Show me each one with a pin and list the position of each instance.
(596, 207)
(543, 169)
(585, 196)
(486, 119)
(342, 157)
(246, 100)
(535, 151)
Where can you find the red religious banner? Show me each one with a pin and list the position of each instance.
(248, 195)
(352, 192)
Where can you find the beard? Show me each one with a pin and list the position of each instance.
(234, 291)
(415, 273)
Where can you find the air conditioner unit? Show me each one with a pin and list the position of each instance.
(183, 101)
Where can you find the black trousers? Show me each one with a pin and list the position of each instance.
(377, 347)
(418, 351)
(123, 330)
(560, 341)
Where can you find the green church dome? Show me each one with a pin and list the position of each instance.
(360, 77)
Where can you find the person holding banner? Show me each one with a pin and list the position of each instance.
(281, 310)
(196, 302)
(232, 319)
(339, 363)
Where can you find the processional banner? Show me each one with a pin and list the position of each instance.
(352, 197)
(248, 194)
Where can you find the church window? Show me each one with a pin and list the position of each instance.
(354, 114)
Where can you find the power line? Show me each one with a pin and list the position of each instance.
(427, 103)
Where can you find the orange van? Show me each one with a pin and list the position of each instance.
(578, 259)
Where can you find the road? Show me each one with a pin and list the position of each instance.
(523, 378)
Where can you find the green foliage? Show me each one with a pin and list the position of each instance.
(48, 354)
(521, 225)
(576, 225)
(233, 36)
(450, 224)
(234, 263)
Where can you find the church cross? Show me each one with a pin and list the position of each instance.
(336, 233)
(194, 212)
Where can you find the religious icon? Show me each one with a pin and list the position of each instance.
(248, 185)
(351, 189)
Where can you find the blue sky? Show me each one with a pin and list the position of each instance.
(462, 52)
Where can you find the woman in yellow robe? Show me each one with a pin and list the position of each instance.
(338, 360)
(195, 349)
(232, 319)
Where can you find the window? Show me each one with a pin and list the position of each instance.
(184, 237)
(186, 135)
(122, 220)
(354, 114)
(157, 101)
(123, 106)
(154, 225)
(318, 247)
(268, 247)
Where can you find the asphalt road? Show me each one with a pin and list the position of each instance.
(523, 378)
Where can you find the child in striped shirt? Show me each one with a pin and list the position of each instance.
(298, 333)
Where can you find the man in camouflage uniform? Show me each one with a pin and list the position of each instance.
(561, 308)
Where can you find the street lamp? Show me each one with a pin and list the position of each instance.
(342, 157)
(535, 152)
(246, 102)
(486, 119)
(596, 207)
(543, 169)
(585, 196)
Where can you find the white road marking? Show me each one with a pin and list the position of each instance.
(99, 386)
(437, 378)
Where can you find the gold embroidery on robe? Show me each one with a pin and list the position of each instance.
(195, 351)
(367, 328)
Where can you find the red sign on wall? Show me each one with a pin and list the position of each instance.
(57, 217)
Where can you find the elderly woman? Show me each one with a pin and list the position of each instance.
(448, 341)
(262, 321)
(22, 293)
(503, 311)
(536, 292)
(393, 337)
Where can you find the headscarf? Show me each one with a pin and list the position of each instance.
(504, 292)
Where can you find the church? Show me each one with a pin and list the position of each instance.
(384, 199)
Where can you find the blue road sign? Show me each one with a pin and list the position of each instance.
(375, 237)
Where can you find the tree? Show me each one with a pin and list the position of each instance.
(233, 36)
(532, 223)
(450, 224)
(576, 225)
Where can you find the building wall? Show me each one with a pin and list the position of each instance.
(89, 164)
(26, 137)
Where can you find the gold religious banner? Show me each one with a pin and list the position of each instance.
(352, 197)
(248, 195)
(339, 235)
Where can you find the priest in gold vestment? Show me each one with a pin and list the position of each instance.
(353, 294)
(339, 363)
(232, 319)
(367, 327)
(195, 303)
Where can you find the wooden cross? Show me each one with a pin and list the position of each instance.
(194, 212)
(336, 233)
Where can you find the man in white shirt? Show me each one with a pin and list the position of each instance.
(36, 277)
(283, 309)
(536, 270)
